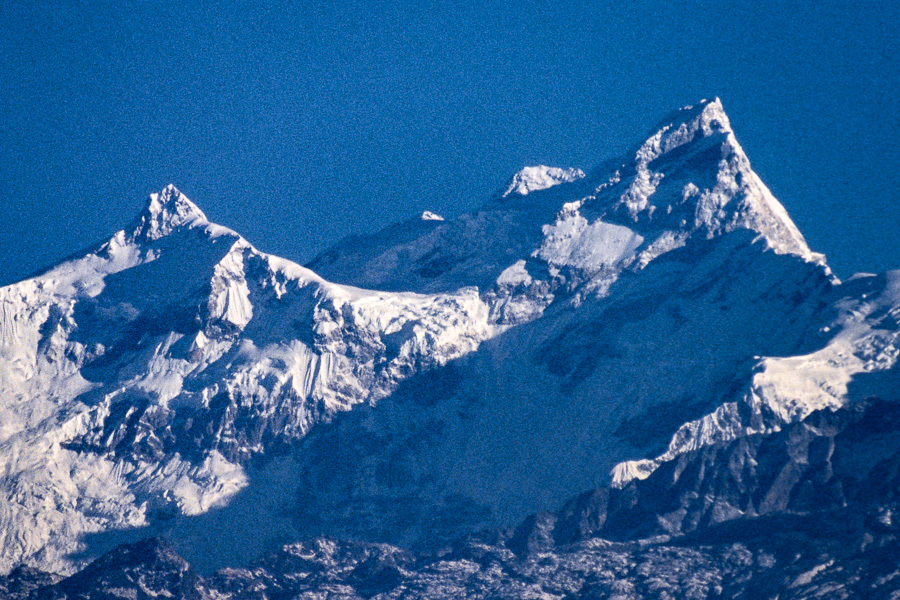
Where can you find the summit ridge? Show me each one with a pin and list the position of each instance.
(689, 178)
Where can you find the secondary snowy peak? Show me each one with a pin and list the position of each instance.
(140, 378)
(540, 177)
(430, 216)
(165, 212)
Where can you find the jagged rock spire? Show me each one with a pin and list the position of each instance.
(164, 212)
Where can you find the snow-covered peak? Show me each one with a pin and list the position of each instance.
(688, 180)
(540, 177)
(164, 212)
(178, 320)
(430, 216)
(138, 381)
(692, 176)
(705, 119)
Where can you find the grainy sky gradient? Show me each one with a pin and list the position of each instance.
(297, 123)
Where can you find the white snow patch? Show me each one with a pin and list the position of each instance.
(514, 275)
(572, 241)
(540, 177)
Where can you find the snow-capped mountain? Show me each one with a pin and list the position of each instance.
(138, 379)
(689, 180)
(437, 378)
(663, 303)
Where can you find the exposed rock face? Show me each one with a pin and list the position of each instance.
(828, 462)
(819, 526)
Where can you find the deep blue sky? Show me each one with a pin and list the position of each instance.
(299, 123)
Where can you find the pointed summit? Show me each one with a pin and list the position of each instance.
(701, 126)
(707, 116)
(164, 212)
(691, 176)
(688, 130)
